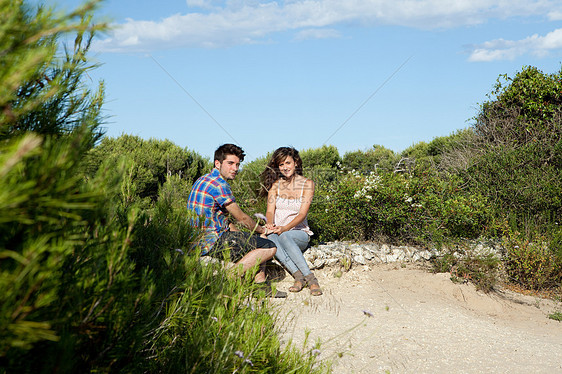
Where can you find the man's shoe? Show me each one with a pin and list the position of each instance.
(266, 287)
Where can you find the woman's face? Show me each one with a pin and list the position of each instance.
(287, 167)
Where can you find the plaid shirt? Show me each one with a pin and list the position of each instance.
(208, 198)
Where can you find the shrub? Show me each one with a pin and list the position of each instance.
(518, 182)
(377, 159)
(153, 161)
(90, 281)
(557, 316)
(211, 324)
(432, 154)
(73, 291)
(39, 90)
(532, 264)
(247, 185)
(479, 269)
(514, 155)
(421, 208)
(320, 158)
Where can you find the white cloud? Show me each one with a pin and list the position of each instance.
(317, 34)
(199, 4)
(555, 15)
(501, 49)
(224, 23)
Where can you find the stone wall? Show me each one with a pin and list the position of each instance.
(351, 253)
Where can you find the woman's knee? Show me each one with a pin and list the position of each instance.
(293, 240)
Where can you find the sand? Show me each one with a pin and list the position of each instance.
(397, 318)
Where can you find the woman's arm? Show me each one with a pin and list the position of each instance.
(308, 194)
(270, 212)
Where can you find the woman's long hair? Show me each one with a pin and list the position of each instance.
(272, 173)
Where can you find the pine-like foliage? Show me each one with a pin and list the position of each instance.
(92, 280)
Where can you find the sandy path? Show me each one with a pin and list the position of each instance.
(422, 323)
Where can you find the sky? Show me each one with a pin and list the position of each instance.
(308, 73)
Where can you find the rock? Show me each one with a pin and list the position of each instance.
(318, 264)
(368, 254)
(359, 259)
(348, 254)
(332, 261)
(426, 255)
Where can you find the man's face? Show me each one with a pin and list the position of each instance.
(229, 167)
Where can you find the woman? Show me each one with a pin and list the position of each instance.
(289, 196)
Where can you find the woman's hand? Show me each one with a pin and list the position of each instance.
(268, 228)
(279, 230)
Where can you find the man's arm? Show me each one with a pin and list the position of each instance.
(270, 212)
(243, 218)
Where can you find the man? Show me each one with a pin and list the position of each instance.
(211, 198)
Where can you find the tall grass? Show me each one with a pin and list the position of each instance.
(213, 323)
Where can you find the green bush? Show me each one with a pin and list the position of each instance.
(480, 269)
(421, 208)
(378, 159)
(442, 153)
(92, 280)
(71, 284)
(247, 185)
(211, 324)
(41, 91)
(518, 182)
(532, 263)
(514, 157)
(153, 161)
(324, 157)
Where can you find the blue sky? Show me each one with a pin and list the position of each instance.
(350, 73)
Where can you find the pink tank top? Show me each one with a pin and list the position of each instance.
(287, 209)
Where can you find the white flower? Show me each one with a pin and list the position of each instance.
(260, 216)
(239, 354)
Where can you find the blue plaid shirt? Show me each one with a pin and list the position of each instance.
(208, 198)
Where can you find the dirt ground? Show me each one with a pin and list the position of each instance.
(404, 319)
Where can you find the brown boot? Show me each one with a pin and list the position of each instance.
(312, 283)
(299, 282)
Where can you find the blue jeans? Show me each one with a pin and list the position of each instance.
(290, 246)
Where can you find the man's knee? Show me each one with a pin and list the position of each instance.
(266, 253)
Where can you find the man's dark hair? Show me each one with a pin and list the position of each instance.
(229, 149)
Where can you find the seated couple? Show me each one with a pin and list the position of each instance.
(286, 233)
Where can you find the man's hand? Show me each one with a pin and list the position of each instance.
(243, 218)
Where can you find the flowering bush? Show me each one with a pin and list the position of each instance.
(415, 208)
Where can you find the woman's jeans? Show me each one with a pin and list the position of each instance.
(290, 247)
